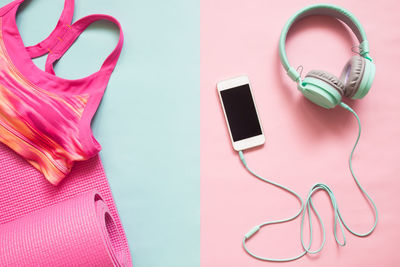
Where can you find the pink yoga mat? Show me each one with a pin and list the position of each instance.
(73, 224)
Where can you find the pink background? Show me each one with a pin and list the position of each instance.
(305, 144)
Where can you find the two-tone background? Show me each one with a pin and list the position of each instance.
(183, 197)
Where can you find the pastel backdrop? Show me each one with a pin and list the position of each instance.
(305, 144)
(148, 121)
(156, 183)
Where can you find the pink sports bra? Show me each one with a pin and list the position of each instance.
(44, 118)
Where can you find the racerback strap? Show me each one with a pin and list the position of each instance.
(71, 32)
(66, 17)
(65, 33)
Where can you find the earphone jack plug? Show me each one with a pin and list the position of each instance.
(252, 232)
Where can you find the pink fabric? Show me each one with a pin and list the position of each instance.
(40, 224)
(305, 144)
(43, 225)
(44, 118)
(58, 235)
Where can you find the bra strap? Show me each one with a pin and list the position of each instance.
(65, 20)
(71, 33)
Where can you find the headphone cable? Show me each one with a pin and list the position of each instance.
(306, 207)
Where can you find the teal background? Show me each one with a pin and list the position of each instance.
(149, 120)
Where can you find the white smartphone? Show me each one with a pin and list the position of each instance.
(240, 113)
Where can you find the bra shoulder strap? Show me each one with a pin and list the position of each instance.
(72, 32)
(4, 10)
(65, 20)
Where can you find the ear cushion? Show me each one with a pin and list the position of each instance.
(328, 78)
(352, 75)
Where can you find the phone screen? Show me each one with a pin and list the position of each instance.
(241, 112)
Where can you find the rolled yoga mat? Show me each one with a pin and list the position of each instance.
(75, 232)
(73, 224)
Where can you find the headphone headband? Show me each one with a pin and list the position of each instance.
(328, 10)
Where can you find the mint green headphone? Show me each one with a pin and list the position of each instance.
(323, 88)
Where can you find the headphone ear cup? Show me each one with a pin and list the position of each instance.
(357, 76)
(322, 88)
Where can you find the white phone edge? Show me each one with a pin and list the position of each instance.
(247, 143)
